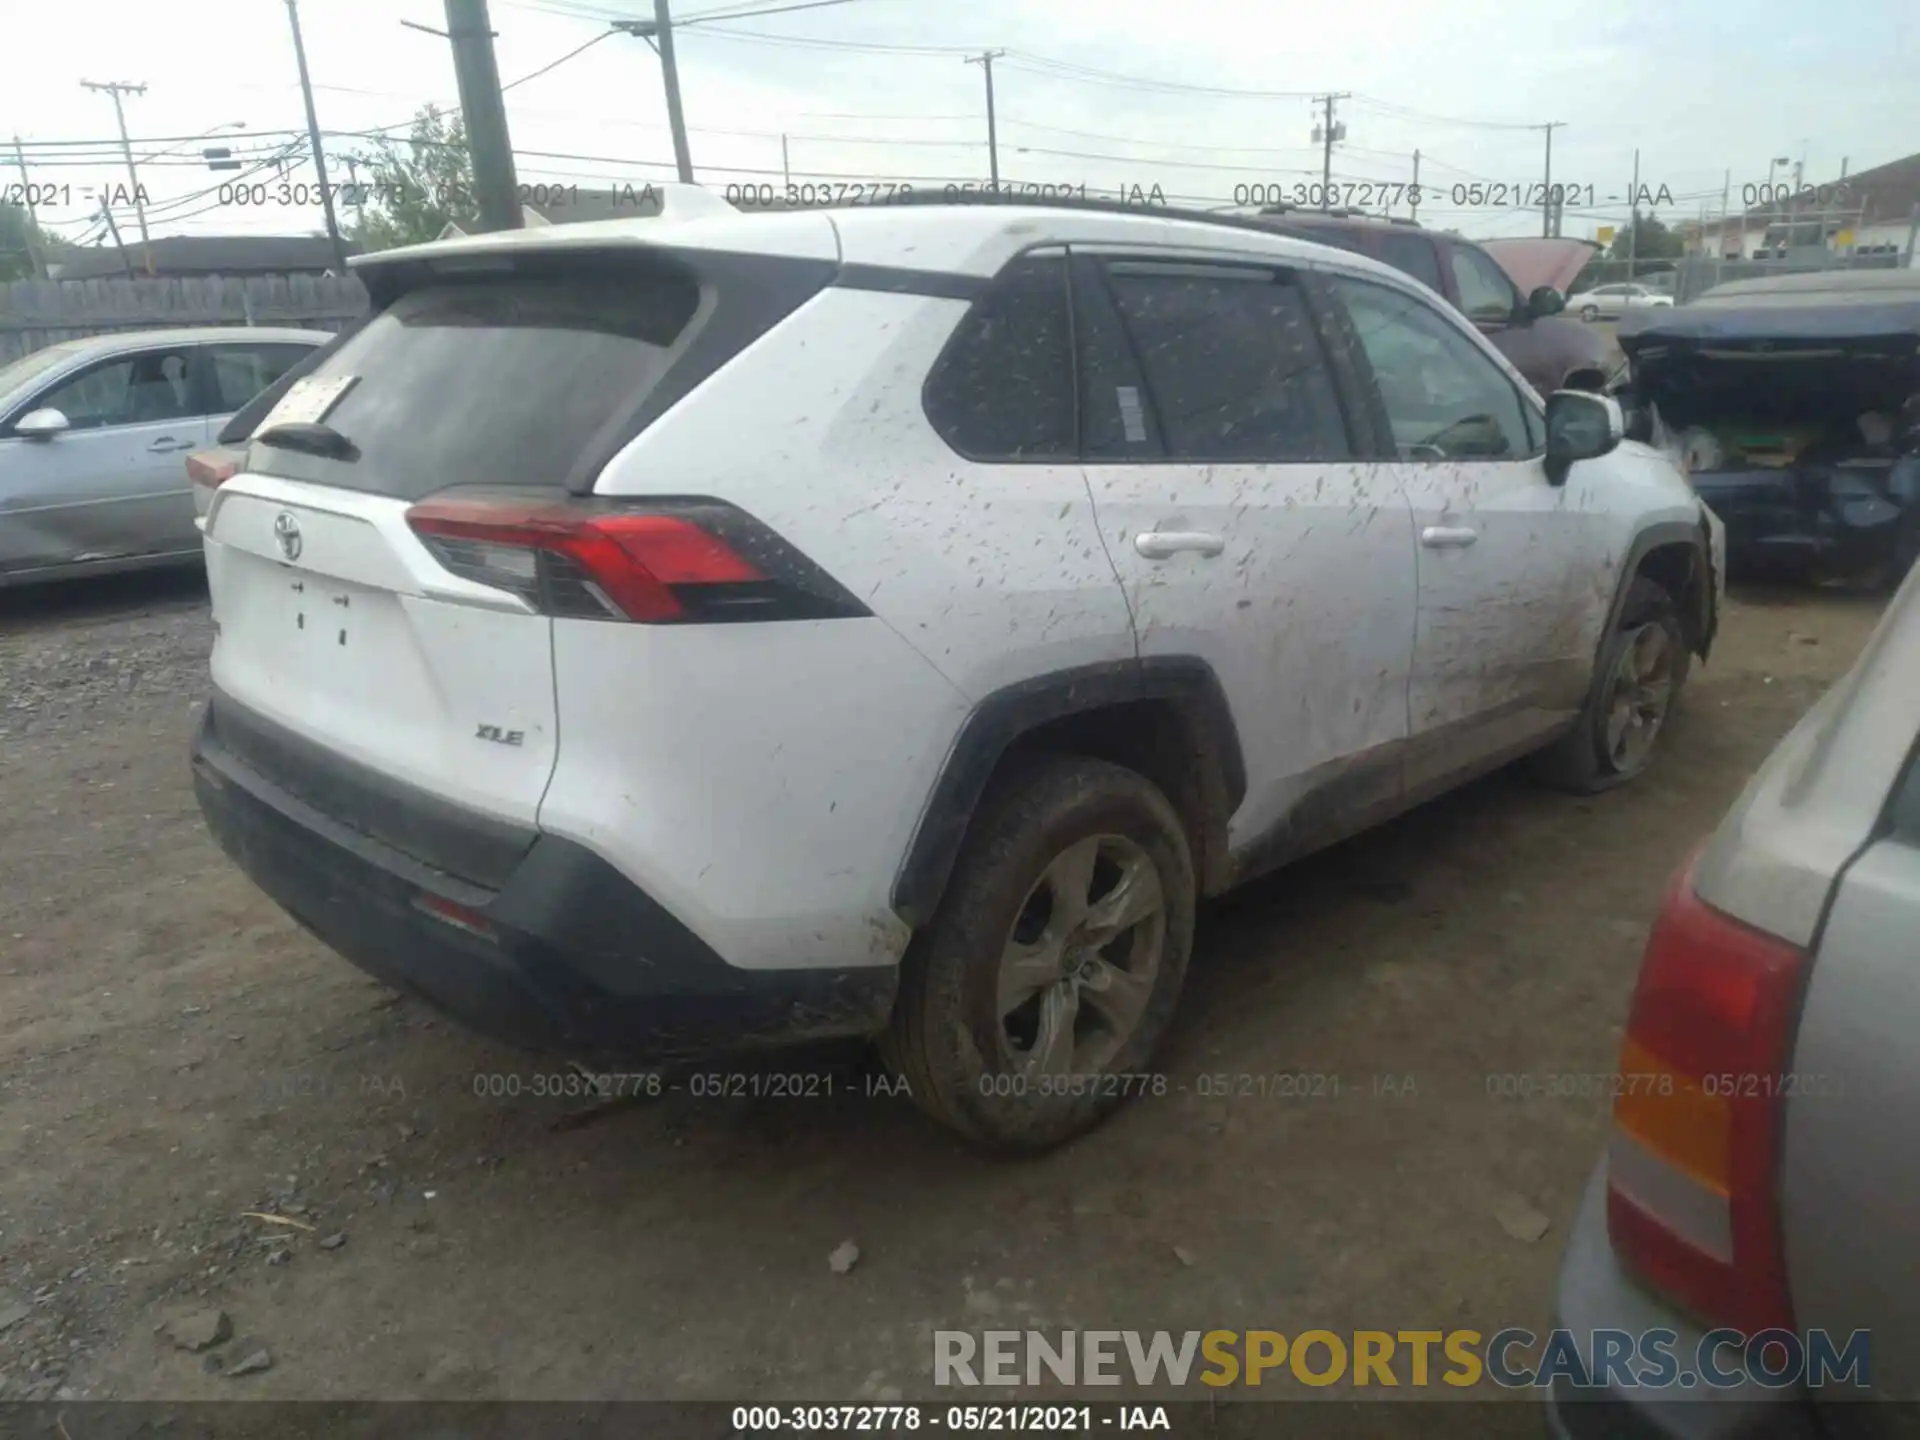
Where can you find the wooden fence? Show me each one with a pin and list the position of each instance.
(37, 313)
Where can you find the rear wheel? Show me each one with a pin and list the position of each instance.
(1589, 313)
(1032, 1002)
(1643, 667)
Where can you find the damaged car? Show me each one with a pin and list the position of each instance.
(1793, 405)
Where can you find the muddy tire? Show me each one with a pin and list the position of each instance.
(1032, 1002)
(1642, 670)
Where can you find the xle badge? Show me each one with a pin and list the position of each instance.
(499, 736)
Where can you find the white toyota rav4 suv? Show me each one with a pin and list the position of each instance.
(662, 641)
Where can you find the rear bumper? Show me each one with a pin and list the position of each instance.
(1595, 1294)
(565, 955)
(1789, 519)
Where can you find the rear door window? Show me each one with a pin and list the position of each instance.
(507, 381)
(1413, 255)
(1003, 387)
(1117, 422)
(237, 373)
(1233, 361)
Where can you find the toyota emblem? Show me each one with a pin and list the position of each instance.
(286, 534)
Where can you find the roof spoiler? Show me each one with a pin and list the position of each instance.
(674, 202)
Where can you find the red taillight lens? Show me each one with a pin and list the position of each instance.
(661, 562)
(212, 468)
(1692, 1172)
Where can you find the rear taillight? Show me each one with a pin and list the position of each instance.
(657, 562)
(212, 468)
(1692, 1169)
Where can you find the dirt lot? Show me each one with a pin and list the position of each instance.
(174, 1053)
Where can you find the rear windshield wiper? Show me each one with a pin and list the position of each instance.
(309, 437)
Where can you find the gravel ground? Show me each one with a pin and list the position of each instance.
(201, 1106)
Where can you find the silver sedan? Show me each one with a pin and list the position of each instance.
(1610, 302)
(94, 437)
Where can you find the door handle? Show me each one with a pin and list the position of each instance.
(1448, 537)
(1159, 544)
(167, 445)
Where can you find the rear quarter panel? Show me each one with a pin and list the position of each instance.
(767, 778)
(1852, 1154)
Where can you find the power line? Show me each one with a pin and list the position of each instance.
(749, 13)
(1387, 107)
(1061, 69)
(556, 64)
(809, 42)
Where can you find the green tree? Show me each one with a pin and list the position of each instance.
(1654, 241)
(20, 238)
(414, 189)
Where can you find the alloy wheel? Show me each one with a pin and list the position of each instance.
(1080, 966)
(1639, 694)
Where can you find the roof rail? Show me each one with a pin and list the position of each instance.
(1350, 212)
(1100, 204)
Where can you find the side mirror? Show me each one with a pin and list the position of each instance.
(1580, 426)
(1545, 301)
(41, 424)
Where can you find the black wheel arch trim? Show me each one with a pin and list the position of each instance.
(1660, 536)
(997, 722)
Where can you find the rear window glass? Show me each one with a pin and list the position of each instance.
(1003, 388)
(498, 382)
(1412, 255)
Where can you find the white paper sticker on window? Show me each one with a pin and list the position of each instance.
(1132, 420)
(308, 401)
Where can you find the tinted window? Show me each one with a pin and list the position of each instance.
(1414, 255)
(1232, 361)
(1003, 388)
(1485, 291)
(495, 382)
(132, 390)
(240, 372)
(1116, 417)
(1445, 398)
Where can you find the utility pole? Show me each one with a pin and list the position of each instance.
(1793, 210)
(658, 32)
(115, 89)
(1726, 199)
(1414, 194)
(496, 189)
(985, 61)
(33, 220)
(1326, 133)
(313, 139)
(106, 212)
(1546, 189)
(786, 172)
(682, 157)
(355, 197)
(1633, 229)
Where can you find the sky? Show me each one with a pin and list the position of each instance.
(1204, 99)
